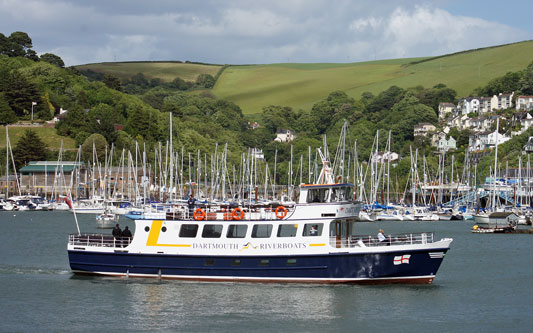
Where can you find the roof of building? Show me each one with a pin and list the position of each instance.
(50, 166)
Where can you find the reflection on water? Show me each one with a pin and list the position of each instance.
(170, 304)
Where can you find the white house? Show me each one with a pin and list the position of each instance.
(445, 109)
(284, 136)
(505, 101)
(423, 129)
(62, 114)
(485, 140)
(257, 153)
(487, 104)
(524, 103)
(468, 105)
(382, 157)
(524, 119)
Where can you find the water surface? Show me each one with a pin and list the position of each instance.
(484, 284)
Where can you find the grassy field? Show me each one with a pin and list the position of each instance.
(48, 135)
(302, 85)
(166, 71)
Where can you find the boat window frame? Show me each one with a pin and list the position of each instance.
(237, 226)
(214, 233)
(306, 232)
(269, 227)
(287, 225)
(188, 225)
(318, 195)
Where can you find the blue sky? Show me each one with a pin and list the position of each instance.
(245, 31)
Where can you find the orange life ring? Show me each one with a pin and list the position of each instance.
(281, 212)
(237, 214)
(199, 214)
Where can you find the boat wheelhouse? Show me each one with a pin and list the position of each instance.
(311, 251)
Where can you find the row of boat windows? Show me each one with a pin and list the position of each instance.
(241, 230)
(329, 195)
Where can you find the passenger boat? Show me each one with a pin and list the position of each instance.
(306, 251)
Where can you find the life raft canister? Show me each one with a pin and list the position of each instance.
(281, 212)
(199, 214)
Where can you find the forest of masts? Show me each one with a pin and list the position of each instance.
(174, 174)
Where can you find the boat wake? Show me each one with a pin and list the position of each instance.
(9, 269)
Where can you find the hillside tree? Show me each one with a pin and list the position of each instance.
(29, 148)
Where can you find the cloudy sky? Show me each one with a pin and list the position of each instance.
(248, 31)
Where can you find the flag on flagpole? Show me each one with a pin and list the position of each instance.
(33, 103)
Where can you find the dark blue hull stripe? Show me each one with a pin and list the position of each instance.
(421, 264)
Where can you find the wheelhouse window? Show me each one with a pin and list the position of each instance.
(313, 229)
(188, 230)
(317, 195)
(261, 230)
(212, 231)
(341, 194)
(236, 231)
(287, 230)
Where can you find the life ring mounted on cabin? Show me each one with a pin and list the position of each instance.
(237, 214)
(281, 212)
(199, 214)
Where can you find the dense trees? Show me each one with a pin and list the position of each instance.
(18, 44)
(7, 116)
(52, 59)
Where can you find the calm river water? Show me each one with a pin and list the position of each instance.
(485, 284)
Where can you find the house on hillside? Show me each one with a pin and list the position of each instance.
(444, 145)
(253, 124)
(528, 147)
(61, 115)
(486, 104)
(445, 109)
(505, 101)
(284, 135)
(485, 140)
(524, 119)
(524, 103)
(468, 105)
(422, 129)
(257, 153)
(383, 157)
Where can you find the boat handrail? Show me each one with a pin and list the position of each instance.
(99, 240)
(393, 239)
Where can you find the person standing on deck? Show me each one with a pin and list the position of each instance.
(126, 236)
(117, 234)
(191, 203)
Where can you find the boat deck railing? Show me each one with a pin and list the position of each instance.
(98, 240)
(394, 239)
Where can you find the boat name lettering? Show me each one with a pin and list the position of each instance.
(282, 246)
(221, 246)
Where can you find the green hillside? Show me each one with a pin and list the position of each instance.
(166, 71)
(47, 134)
(302, 85)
